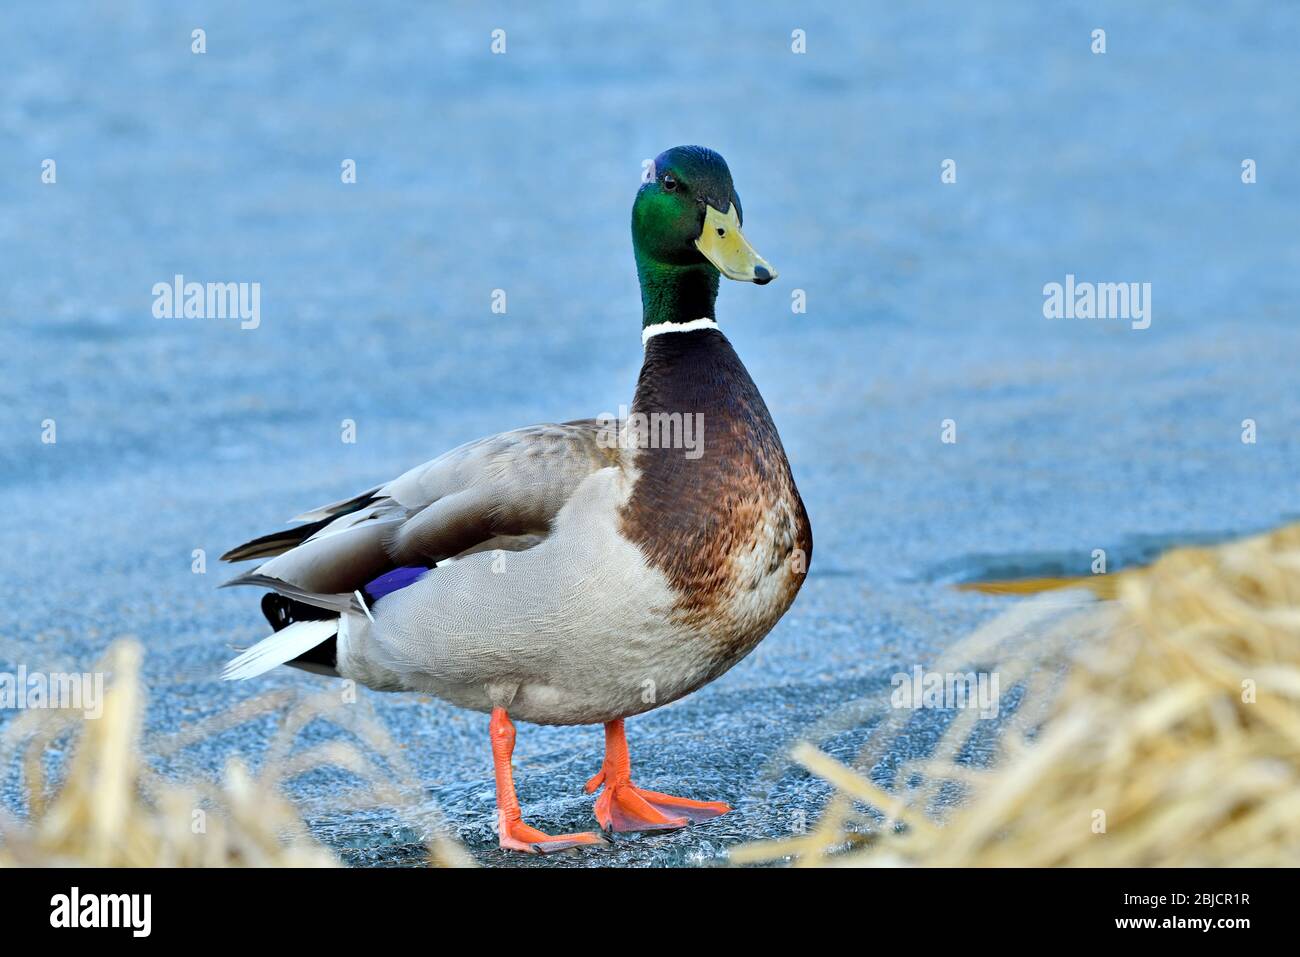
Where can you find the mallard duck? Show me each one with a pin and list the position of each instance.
(577, 573)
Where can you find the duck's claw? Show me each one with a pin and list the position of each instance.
(517, 836)
(626, 807)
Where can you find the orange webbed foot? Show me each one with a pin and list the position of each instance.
(517, 836)
(513, 833)
(623, 806)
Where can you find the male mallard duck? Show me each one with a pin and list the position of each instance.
(576, 573)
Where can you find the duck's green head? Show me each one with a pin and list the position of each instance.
(686, 231)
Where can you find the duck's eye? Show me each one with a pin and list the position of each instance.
(669, 182)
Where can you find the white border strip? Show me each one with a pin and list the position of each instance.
(362, 598)
(659, 328)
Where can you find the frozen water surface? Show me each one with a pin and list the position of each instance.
(478, 172)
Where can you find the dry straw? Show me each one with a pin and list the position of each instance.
(1158, 729)
(112, 809)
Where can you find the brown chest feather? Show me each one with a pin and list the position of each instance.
(723, 520)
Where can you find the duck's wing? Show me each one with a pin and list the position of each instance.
(499, 492)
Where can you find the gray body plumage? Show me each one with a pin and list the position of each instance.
(537, 603)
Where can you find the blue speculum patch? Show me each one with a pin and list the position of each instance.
(395, 580)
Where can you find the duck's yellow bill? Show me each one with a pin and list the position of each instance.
(724, 245)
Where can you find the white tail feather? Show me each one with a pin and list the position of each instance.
(285, 645)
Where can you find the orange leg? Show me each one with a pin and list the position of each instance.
(625, 807)
(514, 833)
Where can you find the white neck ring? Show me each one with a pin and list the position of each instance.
(659, 328)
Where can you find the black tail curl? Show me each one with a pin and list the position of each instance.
(282, 612)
